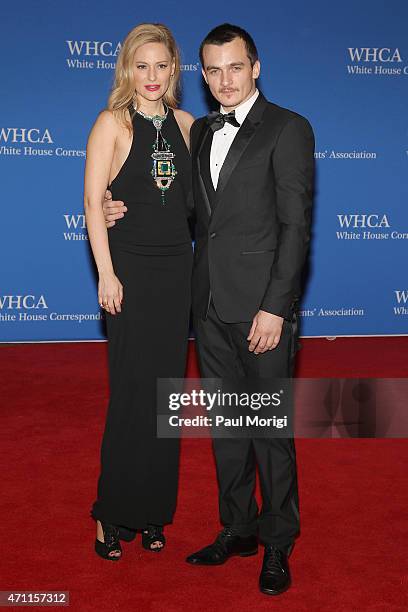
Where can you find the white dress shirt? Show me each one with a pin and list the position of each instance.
(223, 139)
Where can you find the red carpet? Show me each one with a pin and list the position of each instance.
(351, 555)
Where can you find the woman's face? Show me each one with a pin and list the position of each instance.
(153, 68)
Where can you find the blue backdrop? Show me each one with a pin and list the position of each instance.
(344, 65)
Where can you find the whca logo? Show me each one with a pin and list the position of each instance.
(18, 135)
(401, 296)
(76, 226)
(94, 48)
(374, 54)
(22, 302)
(360, 221)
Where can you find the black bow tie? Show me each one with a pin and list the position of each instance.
(218, 120)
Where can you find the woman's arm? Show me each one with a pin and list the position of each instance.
(99, 156)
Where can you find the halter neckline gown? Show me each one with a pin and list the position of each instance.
(152, 257)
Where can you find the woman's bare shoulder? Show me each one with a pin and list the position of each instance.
(106, 120)
(184, 118)
(108, 126)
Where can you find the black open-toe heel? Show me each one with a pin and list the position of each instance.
(111, 543)
(153, 533)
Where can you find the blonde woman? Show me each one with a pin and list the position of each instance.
(138, 148)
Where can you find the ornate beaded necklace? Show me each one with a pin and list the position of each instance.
(163, 171)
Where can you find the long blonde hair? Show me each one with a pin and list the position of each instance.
(123, 90)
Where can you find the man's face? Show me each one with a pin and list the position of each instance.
(228, 72)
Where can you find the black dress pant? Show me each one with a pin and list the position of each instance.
(223, 352)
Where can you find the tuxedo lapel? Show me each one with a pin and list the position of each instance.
(240, 143)
(205, 169)
(201, 140)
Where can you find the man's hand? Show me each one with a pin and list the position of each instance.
(265, 332)
(112, 209)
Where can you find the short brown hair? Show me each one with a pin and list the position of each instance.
(226, 33)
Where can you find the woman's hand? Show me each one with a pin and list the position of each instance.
(110, 292)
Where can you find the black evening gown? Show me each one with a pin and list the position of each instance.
(152, 257)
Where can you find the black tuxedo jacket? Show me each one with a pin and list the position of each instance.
(252, 232)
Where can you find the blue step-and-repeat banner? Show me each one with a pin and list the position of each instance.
(342, 64)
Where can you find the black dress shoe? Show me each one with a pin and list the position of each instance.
(275, 576)
(127, 534)
(227, 544)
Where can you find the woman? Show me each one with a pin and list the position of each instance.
(138, 148)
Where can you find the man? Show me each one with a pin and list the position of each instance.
(252, 186)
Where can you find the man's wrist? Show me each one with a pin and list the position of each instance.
(271, 313)
(276, 313)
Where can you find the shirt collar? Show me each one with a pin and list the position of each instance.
(243, 109)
